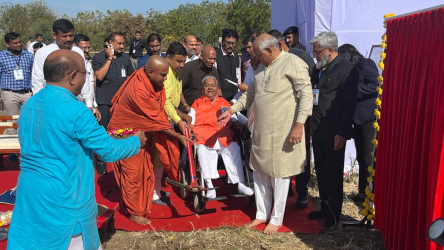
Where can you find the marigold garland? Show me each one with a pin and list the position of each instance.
(122, 131)
(369, 208)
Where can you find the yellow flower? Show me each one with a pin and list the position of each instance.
(370, 169)
(381, 65)
(372, 153)
(375, 124)
(119, 131)
(369, 217)
(369, 179)
(383, 45)
(373, 172)
(374, 159)
(366, 200)
(379, 89)
(383, 55)
(380, 78)
(384, 37)
(378, 102)
(364, 213)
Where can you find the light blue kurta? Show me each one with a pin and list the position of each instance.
(55, 192)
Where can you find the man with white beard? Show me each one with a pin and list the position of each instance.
(335, 83)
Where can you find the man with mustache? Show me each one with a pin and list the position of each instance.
(63, 35)
(153, 48)
(111, 67)
(175, 56)
(335, 88)
(191, 45)
(228, 64)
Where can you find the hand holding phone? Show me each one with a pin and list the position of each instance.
(112, 48)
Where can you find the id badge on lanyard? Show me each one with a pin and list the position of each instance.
(18, 74)
(123, 72)
(315, 96)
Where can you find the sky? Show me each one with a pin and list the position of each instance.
(71, 8)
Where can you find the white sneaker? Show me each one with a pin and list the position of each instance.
(244, 189)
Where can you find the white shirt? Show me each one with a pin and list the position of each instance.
(87, 94)
(249, 79)
(189, 59)
(38, 80)
(31, 48)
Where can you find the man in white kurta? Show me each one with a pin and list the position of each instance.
(283, 100)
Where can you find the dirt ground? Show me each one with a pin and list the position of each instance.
(243, 238)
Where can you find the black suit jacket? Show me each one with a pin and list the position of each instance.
(368, 82)
(304, 55)
(337, 100)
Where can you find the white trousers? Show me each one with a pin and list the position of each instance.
(232, 161)
(158, 174)
(76, 243)
(268, 189)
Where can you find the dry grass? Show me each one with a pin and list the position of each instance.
(243, 238)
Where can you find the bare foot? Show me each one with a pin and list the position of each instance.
(270, 229)
(139, 219)
(254, 223)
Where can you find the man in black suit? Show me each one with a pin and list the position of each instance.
(335, 87)
(228, 64)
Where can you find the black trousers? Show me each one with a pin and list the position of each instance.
(363, 135)
(329, 166)
(303, 178)
(106, 115)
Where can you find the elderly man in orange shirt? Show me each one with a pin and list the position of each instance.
(212, 140)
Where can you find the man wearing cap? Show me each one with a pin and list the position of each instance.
(291, 35)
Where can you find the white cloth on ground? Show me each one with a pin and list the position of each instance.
(270, 191)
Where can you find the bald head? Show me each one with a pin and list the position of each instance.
(60, 64)
(66, 69)
(208, 56)
(266, 47)
(156, 69)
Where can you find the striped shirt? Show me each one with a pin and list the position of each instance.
(8, 63)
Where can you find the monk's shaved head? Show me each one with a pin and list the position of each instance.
(156, 69)
(61, 63)
(155, 61)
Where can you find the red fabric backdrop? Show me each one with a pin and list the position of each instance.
(410, 166)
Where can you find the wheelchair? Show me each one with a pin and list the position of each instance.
(191, 183)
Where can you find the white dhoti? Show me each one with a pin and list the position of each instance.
(76, 243)
(268, 189)
(232, 161)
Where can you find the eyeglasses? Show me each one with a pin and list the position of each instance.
(316, 52)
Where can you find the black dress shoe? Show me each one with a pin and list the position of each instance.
(13, 158)
(330, 222)
(101, 168)
(163, 193)
(302, 201)
(316, 215)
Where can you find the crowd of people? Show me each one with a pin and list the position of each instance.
(132, 110)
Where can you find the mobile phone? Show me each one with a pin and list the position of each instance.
(112, 50)
(223, 109)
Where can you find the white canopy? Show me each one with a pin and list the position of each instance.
(358, 22)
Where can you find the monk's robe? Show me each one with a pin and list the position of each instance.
(140, 105)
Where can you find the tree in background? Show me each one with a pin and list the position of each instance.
(205, 20)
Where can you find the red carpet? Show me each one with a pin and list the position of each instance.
(180, 217)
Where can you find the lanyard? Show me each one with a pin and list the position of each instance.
(135, 44)
(18, 61)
